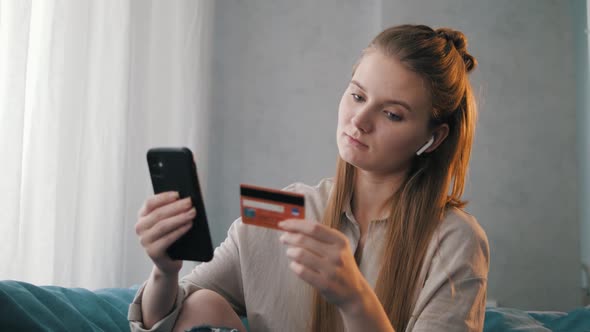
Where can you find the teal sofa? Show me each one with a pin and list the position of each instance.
(26, 307)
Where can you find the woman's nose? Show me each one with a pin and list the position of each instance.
(362, 119)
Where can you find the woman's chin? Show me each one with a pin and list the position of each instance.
(353, 158)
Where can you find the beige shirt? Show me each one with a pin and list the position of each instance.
(250, 270)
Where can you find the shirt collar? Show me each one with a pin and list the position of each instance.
(347, 212)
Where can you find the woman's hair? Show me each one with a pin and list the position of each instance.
(435, 180)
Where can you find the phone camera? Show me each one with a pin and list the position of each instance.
(156, 167)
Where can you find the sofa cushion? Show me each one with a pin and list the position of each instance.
(24, 306)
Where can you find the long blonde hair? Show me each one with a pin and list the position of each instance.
(435, 180)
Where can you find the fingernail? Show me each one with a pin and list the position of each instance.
(289, 251)
(174, 194)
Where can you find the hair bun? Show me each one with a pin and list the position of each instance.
(460, 42)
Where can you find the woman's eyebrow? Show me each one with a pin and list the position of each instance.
(387, 102)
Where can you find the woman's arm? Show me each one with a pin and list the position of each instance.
(321, 256)
(161, 299)
(366, 315)
(454, 294)
(159, 296)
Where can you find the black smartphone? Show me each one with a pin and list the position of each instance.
(174, 169)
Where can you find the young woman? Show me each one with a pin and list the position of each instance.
(385, 246)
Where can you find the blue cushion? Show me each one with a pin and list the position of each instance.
(32, 308)
(25, 307)
(507, 319)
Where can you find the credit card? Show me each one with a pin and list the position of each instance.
(267, 207)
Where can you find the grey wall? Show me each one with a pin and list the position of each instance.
(580, 14)
(279, 69)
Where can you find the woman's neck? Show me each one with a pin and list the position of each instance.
(371, 193)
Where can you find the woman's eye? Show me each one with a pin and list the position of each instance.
(356, 97)
(392, 116)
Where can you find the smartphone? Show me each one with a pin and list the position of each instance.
(173, 169)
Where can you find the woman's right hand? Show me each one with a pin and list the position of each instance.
(162, 219)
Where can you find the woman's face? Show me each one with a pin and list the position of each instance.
(383, 115)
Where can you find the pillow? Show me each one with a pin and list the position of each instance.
(36, 308)
(507, 319)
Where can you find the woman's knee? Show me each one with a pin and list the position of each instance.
(206, 307)
(207, 302)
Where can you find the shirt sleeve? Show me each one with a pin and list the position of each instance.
(454, 293)
(164, 325)
(222, 274)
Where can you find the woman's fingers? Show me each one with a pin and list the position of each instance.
(161, 244)
(306, 258)
(162, 212)
(162, 219)
(168, 225)
(308, 275)
(321, 258)
(315, 230)
(156, 201)
(318, 253)
(305, 241)
(317, 238)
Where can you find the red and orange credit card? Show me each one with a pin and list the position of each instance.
(267, 207)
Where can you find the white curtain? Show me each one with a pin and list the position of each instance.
(86, 87)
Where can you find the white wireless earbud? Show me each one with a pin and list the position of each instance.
(426, 146)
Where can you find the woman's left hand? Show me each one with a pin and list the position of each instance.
(322, 257)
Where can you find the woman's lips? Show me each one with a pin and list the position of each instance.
(355, 142)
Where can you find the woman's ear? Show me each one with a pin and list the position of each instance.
(439, 134)
(425, 146)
